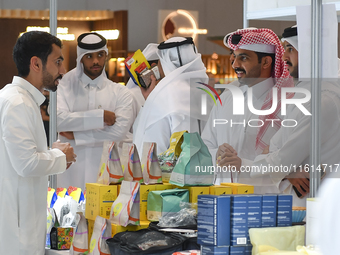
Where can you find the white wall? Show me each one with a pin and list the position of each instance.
(218, 16)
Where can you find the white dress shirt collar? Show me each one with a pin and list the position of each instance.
(87, 80)
(38, 97)
(263, 87)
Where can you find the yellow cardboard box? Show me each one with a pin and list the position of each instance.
(143, 200)
(164, 186)
(99, 200)
(194, 191)
(239, 188)
(220, 190)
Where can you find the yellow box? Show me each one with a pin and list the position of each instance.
(194, 191)
(239, 188)
(164, 186)
(220, 190)
(143, 200)
(90, 226)
(143, 224)
(99, 200)
(117, 228)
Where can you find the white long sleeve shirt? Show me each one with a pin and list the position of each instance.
(25, 163)
(80, 109)
(240, 136)
(290, 147)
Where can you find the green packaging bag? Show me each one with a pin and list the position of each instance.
(163, 203)
(194, 165)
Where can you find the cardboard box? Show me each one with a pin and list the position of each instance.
(194, 191)
(220, 190)
(143, 200)
(99, 200)
(239, 220)
(213, 220)
(239, 188)
(212, 250)
(164, 186)
(284, 210)
(269, 210)
(254, 211)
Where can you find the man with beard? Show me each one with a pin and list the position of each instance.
(91, 109)
(257, 61)
(25, 159)
(289, 149)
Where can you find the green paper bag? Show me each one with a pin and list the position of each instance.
(194, 166)
(163, 203)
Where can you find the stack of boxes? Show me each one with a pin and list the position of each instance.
(237, 213)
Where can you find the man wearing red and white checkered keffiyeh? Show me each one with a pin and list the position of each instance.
(257, 61)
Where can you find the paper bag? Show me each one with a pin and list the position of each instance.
(168, 159)
(101, 232)
(152, 172)
(134, 215)
(80, 240)
(194, 163)
(134, 168)
(110, 169)
(122, 206)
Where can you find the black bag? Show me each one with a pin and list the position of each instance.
(146, 241)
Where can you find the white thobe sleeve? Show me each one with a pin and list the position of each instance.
(209, 135)
(21, 137)
(296, 148)
(116, 132)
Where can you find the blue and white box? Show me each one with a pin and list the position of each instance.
(269, 210)
(213, 250)
(213, 220)
(239, 220)
(254, 211)
(284, 210)
(237, 250)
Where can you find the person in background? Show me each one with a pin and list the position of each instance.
(257, 60)
(25, 159)
(90, 110)
(289, 148)
(167, 107)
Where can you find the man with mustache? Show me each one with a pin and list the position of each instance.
(25, 159)
(91, 109)
(257, 61)
(289, 148)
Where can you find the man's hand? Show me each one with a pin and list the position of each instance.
(109, 118)
(266, 150)
(146, 92)
(67, 149)
(300, 180)
(230, 159)
(69, 135)
(226, 155)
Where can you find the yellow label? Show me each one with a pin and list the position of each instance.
(102, 169)
(117, 208)
(93, 244)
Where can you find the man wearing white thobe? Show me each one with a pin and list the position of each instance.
(25, 159)
(90, 110)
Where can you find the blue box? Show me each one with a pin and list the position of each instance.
(239, 219)
(254, 211)
(213, 220)
(249, 248)
(212, 250)
(237, 250)
(269, 210)
(284, 210)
